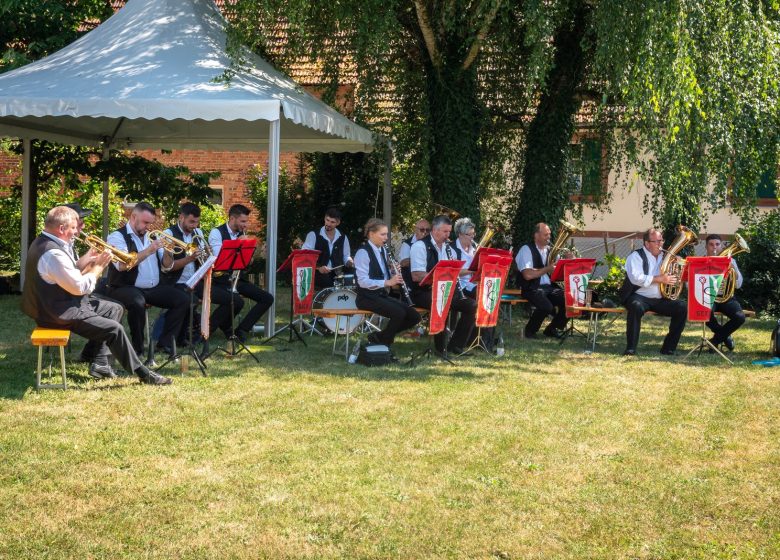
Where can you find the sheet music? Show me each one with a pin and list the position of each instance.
(195, 278)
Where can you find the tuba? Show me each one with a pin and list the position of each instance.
(674, 265)
(739, 245)
(440, 209)
(564, 233)
(117, 255)
(485, 240)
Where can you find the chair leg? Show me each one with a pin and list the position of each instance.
(62, 366)
(40, 367)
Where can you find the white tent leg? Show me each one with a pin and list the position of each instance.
(106, 152)
(273, 222)
(26, 198)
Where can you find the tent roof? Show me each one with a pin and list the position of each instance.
(146, 78)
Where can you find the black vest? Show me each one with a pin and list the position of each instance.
(118, 278)
(374, 269)
(536, 256)
(171, 278)
(321, 244)
(628, 288)
(224, 277)
(42, 301)
(431, 258)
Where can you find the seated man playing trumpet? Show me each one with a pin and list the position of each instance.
(138, 285)
(56, 295)
(641, 292)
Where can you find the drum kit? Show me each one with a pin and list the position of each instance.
(341, 296)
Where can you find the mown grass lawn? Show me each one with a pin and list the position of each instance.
(546, 453)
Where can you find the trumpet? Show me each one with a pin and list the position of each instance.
(173, 245)
(117, 255)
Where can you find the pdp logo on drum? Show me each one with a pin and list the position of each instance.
(344, 297)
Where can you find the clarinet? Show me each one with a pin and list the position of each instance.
(457, 280)
(397, 269)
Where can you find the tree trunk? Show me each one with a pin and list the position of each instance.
(545, 194)
(456, 117)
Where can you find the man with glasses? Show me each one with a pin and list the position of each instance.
(421, 229)
(641, 292)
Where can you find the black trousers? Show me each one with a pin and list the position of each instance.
(221, 295)
(637, 306)
(135, 299)
(468, 315)
(401, 316)
(98, 320)
(547, 300)
(731, 309)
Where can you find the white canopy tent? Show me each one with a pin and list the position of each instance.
(147, 78)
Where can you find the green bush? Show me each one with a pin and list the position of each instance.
(761, 267)
(614, 277)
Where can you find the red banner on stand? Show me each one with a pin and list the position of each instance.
(443, 279)
(576, 277)
(490, 280)
(705, 276)
(302, 265)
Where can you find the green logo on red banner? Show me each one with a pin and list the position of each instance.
(578, 285)
(443, 289)
(304, 276)
(491, 288)
(706, 288)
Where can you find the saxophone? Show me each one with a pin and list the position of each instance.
(675, 265)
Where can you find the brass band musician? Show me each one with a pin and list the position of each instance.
(641, 292)
(730, 308)
(333, 247)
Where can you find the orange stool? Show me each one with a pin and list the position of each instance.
(41, 338)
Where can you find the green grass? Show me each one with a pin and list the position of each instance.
(546, 453)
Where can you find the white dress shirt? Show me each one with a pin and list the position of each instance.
(215, 238)
(149, 268)
(362, 261)
(637, 277)
(311, 241)
(739, 274)
(58, 267)
(525, 260)
(419, 255)
(468, 256)
(403, 252)
(189, 268)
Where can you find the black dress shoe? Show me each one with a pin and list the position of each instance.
(151, 378)
(629, 352)
(101, 371)
(533, 336)
(667, 352)
(553, 333)
(729, 343)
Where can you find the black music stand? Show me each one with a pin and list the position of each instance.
(291, 324)
(558, 277)
(431, 350)
(503, 258)
(234, 256)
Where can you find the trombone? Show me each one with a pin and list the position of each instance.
(117, 255)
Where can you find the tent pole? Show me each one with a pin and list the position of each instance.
(106, 152)
(387, 191)
(271, 227)
(29, 205)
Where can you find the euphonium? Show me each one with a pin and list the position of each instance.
(486, 237)
(564, 233)
(173, 245)
(117, 255)
(674, 265)
(440, 209)
(739, 245)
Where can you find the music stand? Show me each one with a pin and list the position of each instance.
(234, 256)
(695, 314)
(559, 276)
(191, 285)
(448, 268)
(496, 258)
(292, 323)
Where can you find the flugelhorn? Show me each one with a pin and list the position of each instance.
(674, 264)
(739, 245)
(117, 255)
(564, 233)
(173, 245)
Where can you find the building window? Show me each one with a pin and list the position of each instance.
(766, 190)
(586, 175)
(216, 197)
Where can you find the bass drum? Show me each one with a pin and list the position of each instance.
(338, 298)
